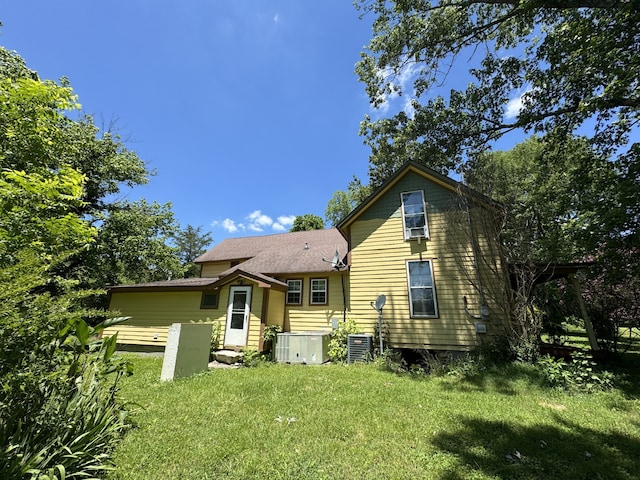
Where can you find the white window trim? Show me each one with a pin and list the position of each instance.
(294, 291)
(424, 212)
(433, 288)
(326, 291)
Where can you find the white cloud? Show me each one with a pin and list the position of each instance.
(286, 220)
(256, 221)
(513, 108)
(276, 17)
(283, 223)
(231, 226)
(402, 81)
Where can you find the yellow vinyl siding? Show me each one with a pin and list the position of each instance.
(161, 309)
(379, 256)
(214, 269)
(164, 308)
(134, 335)
(275, 309)
(305, 317)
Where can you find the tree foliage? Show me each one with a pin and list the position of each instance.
(571, 64)
(59, 413)
(133, 245)
(191, 243)
(38, 138)
(556, 199)
(307, 221)
(343, 202)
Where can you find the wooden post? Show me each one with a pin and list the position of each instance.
(583, 311)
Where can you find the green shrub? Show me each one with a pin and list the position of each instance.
(216, 336)
(269, 335)
(580, 374)
(59, 411)
(338, 342)
(252, 358)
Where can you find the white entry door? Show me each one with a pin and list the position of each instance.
(238, 316)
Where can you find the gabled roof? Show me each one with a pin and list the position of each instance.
(263, 281)
(427, 173)
(293, 252)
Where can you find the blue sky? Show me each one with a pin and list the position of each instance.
(248, 110)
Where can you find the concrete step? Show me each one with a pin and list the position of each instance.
(228, 356)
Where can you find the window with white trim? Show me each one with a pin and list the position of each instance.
(422, 292)
(414, 215)
(294, 291)
(319, 288)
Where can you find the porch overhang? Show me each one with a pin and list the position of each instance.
(546, 272)
(263, 281)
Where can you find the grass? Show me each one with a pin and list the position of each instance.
(358, 421)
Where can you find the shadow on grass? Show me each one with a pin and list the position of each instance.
(566, 451)
(511, 378)
(507, 379)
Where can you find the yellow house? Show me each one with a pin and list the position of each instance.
(426, 242)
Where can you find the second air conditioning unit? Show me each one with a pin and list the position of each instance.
(359, 347)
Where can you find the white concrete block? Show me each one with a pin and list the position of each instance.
(187, 350)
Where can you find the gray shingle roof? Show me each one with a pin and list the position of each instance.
(294, 252)
(178, 284)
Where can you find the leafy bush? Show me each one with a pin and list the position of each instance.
(338, 342)
(269, 335)
(580, 374)
(216, 336)
(59, 412)
(252, 358)
(392, 360)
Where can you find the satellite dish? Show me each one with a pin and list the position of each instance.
(380, 301)
(336, 262)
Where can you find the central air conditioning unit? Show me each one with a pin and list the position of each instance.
(310, 348)
(359, 347)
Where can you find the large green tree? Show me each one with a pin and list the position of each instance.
(58, 412)
(565, 64)
(556, 201)
(133, 245)
(344, 201)
(547, 67)
(39, 136)
(308, 221)
(192, 242)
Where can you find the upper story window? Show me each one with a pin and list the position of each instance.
(294, 292)
(422, 292)
(319, 289)
(414, 215)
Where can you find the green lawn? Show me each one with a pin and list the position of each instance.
(344, 422)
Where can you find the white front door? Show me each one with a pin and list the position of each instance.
(238, 313)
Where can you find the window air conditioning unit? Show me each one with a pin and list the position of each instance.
(359, 347)
(311, 348)
(417, 233)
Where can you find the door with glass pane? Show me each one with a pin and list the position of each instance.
(238, 313)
